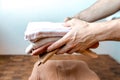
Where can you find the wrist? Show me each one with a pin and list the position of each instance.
(99, 31)
(106, 30)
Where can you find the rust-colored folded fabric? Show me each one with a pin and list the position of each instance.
(63, 70)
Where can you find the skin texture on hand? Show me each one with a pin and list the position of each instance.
(78, 39)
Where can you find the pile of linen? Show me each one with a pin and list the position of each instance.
(41, 33)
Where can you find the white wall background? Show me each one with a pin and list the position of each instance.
(15, 15)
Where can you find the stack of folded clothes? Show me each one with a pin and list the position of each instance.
(41, 33)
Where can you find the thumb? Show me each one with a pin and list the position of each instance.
(67, 19)
(57, 44)
(69, 23)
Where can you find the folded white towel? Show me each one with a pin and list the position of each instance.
(38, 30)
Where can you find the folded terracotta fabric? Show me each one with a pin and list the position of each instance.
(40, 33)
(63, 70)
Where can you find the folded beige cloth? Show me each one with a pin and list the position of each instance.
(63, 70)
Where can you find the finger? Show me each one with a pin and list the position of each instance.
(67, 19)
(57, 44)
(66, 48)
(88, 53)
(76, 48)
(66, 25)
(41, 49)
(69, 23)
(95, 45)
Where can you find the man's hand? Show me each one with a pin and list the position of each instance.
(41, 50)
(79, 38)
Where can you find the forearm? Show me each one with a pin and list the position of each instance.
(109, 30)
(99, 10)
